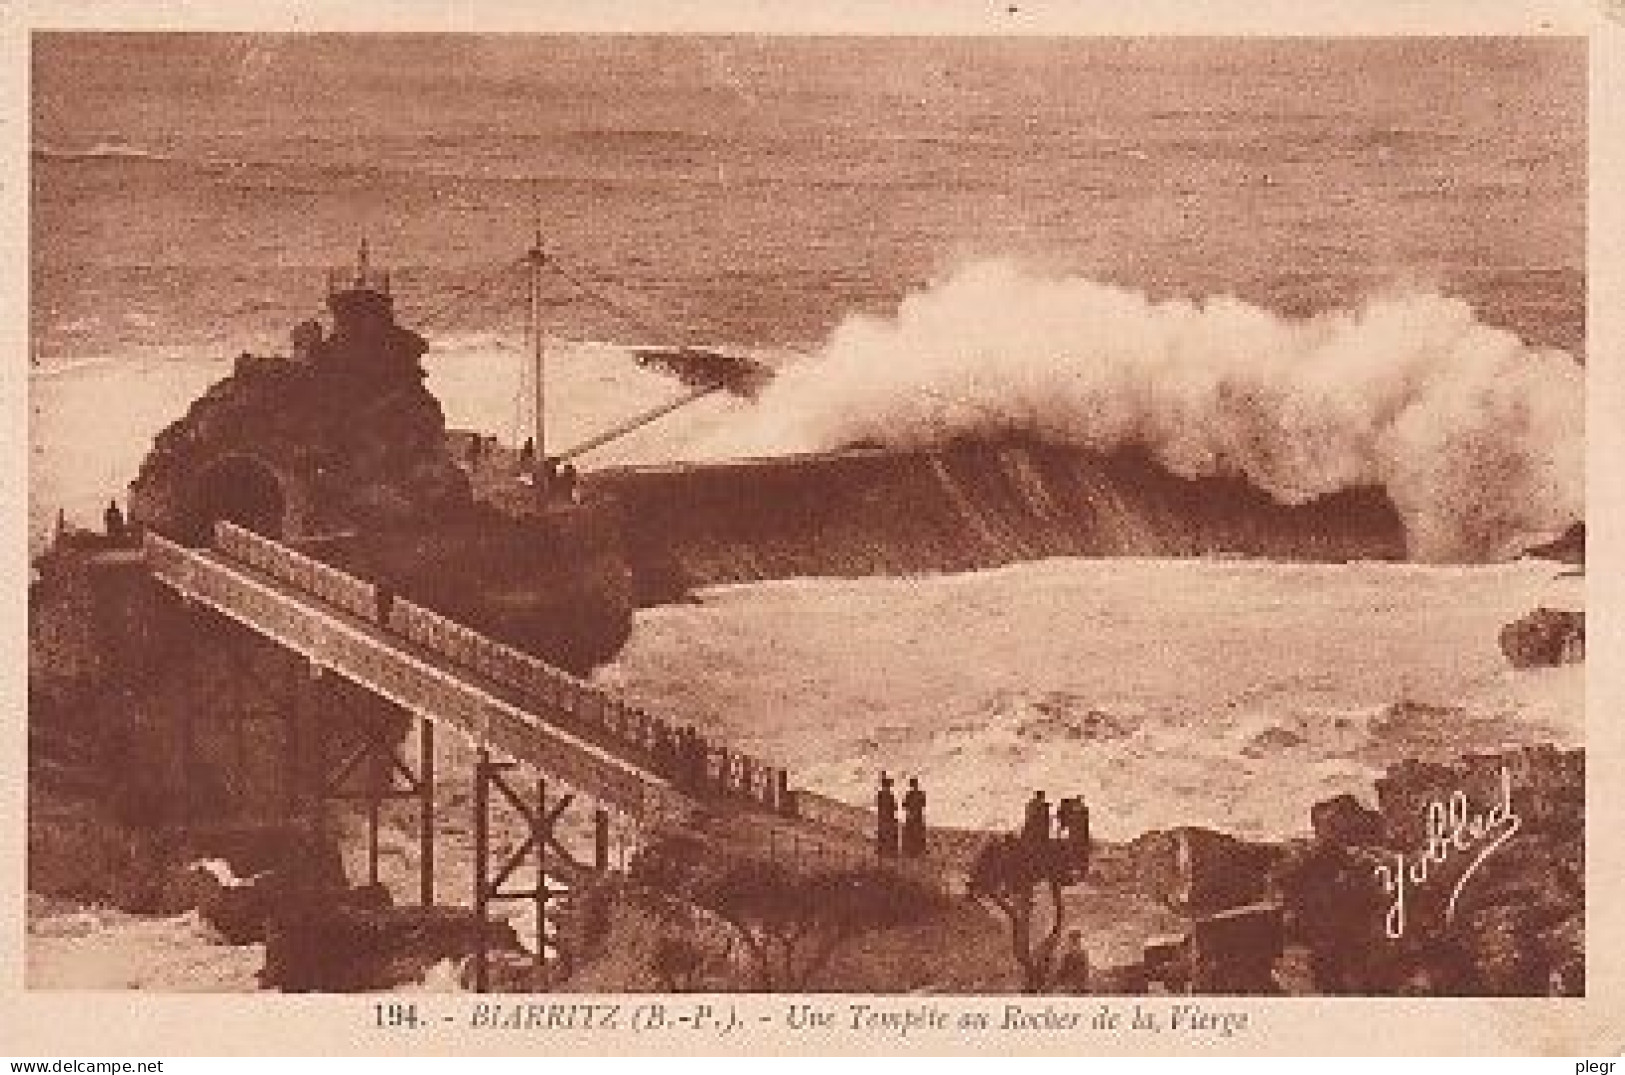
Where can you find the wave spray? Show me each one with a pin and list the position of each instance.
(1477, 438)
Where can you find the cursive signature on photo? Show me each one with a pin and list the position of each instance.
(1454, 830)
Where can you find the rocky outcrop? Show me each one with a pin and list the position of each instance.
(1198, 871)
(341, 435)
(1473, 884)
(1545, 637)
(1467, 879)
(1568, 548)
(1223, 887)
(553, 586)
(342, 449)
(354, 940)
(146, 713)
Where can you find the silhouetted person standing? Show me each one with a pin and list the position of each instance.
(569, 489)
(1036, 828)
(113, 520)
(886, 819)
(1072, 824)
(1072, 967)
(914, 820)
(691, 755)
(1072, 821)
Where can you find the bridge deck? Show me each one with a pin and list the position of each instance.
(434, 687)
(413, 677)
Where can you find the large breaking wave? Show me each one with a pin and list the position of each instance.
(968, 507)
(1476, 438)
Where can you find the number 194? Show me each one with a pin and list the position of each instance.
(395, 1014)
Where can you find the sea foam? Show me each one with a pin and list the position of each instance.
(1477, 437)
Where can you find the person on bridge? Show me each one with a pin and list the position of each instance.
(885, 819)
(666, 747)
(1035, 829)
(569, 487)
(913, 820)
(692, 757)
(113, 520)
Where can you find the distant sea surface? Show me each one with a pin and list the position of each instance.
(190, 190)
(190, 193)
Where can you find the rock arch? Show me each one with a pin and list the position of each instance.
(242, 488)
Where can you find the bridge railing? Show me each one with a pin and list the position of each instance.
(273, 558)
(168, 561)
(833, 813)
(668, 748)
(577, 701)
(807, 852)
(412, 683)
(586, 708)
(683, 762)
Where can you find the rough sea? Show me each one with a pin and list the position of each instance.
(845, 199)
(190, 192)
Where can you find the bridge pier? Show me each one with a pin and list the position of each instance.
(371, 661)
(426, 779)
(303, 783)
(495, 780)
(374, 756)
(600, 839)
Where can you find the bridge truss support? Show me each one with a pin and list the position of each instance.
(367, 765)
(496, 783)
(346, 696)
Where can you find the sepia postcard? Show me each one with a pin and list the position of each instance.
(685, 529)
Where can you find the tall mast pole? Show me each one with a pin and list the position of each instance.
(536, 259)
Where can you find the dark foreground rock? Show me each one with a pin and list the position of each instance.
(1568, 548)
(240, 908)
(1546, 637)
(1475, 884)
(1199, 871)
(1468, 879)
(351, 941)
